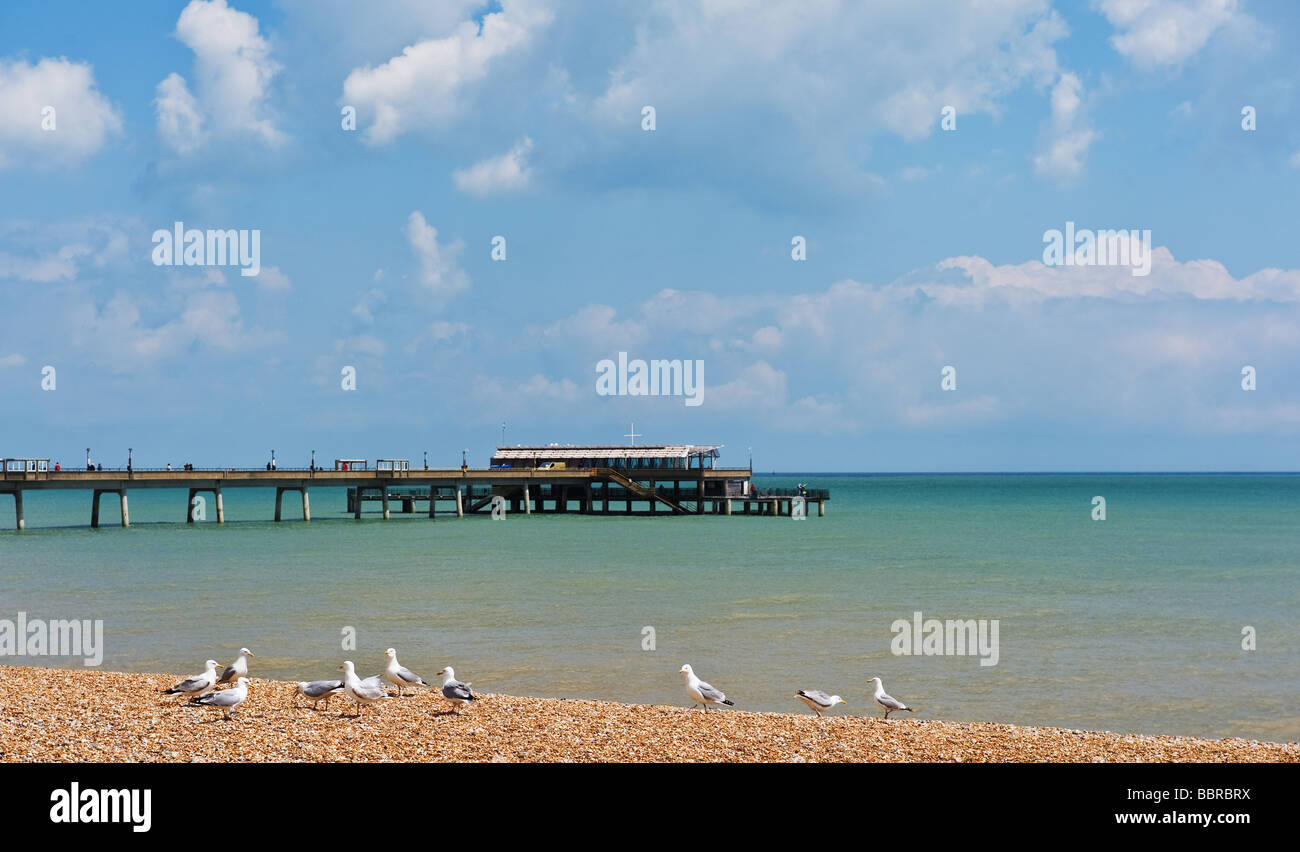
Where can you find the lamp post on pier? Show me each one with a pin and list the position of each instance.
(313, 461)
(129, 462)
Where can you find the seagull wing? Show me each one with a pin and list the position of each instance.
(228, 675)
(407, 675)
(891, 702)
(712, 693)
(321, 688)
(456, 689)
(816, 696)
(370, 692)
(191, 684)
(224, 698)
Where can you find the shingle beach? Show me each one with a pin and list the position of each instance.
(89, 715)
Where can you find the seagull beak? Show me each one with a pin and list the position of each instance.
(251, 654)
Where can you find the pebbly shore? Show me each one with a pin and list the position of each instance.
(90, 715)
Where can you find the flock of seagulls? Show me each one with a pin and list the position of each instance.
(703, 694)
(202, 688)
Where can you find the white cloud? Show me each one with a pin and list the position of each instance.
(497, 175)
(440, 275)
(233, 70)
(83, 117)
(273, 280)
(422, 88)
(13, 360)
(1152, 33)
(180, 120)
(1070, 134)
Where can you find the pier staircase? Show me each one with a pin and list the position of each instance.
(642, 491)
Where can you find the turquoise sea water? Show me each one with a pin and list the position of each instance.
(1129, 624)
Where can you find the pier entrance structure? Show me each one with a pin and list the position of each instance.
(682, 479)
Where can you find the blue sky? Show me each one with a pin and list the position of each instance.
(774, 119)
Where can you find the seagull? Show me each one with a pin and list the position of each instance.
(226, 699)
(198, 685)
(888, 702)
(700, 692)
(318, 690)
(455, 691)
(819, 701)
(237, 669)
(398, 674)
(361, 693)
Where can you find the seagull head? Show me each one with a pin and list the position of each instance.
(391, 654)
(449, 673)
(347, 668)
(243, 681)
(244, 652)
(835, 699)
(686, 670)
(211, 664)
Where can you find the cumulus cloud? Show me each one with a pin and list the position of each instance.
(439, 273)
(1069, 134)
(233, 70)
(422, 88)
(82, 119)
(497, 175)
(1154, 33)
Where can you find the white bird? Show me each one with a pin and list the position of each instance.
(318, 690)
(818, 701)
(702, 693)
(198, 685)
(226, 699)
(361, 693)
(454, 691)
(888, 702)
(399, 675)
(237, 669)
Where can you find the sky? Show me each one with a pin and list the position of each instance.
(834, 206)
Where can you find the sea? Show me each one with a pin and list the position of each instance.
(1175, 614)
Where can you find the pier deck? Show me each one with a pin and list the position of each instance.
(462, 491)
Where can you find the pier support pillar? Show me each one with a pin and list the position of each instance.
(821, 508)
(306, 505)
(460, 504)
(189, 506)
(356, 507)
(528, 504)
(279, 499)
(727, 512)
(19, 520)
(387, 513)
(126, 510)
(433, 499)
(94, 509)
(221, 507)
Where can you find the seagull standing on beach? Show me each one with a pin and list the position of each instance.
(237, 669)
(888, 702)
(198, 685)
(399, 675)
(702, 693)
(226, 699)
(454, 691)
(361, 693)
(318, 690)
(818, 701)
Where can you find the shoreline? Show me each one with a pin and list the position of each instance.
(78, 715)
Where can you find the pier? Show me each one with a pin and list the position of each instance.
(614, 480)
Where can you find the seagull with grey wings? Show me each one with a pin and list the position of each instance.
(363, 693)
(459, 694)
(701, 693)
(887, 701)
(317, 691)
(237, 669)
(399, 675)
(818, 701)
(226, 700)
(199, 685)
